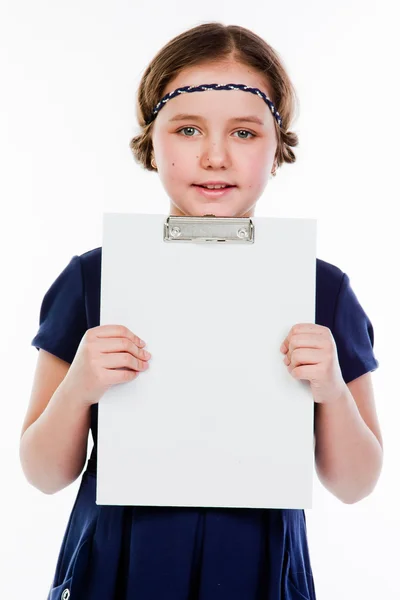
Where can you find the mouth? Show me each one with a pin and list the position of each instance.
(214, 193)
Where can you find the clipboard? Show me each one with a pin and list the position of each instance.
(216, 420)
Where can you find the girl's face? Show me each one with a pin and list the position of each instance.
(215, 143)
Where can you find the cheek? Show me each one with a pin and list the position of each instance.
(175, 172)
(176, 168)
(170, 157)
(256, 172)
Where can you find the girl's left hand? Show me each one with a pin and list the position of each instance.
(311, 354)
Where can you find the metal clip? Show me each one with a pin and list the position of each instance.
(209, 229)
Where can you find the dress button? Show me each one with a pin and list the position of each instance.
(65, 595)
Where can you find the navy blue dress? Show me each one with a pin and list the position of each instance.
(174, 553)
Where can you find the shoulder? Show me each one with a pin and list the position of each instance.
(329, 280)
(91, 257)
(91, 273)
(328, 275)
(91, 265)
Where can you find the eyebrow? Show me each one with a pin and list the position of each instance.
(248, 118)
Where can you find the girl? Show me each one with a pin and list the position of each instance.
(214, 106)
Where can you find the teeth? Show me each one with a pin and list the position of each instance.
(214, 187)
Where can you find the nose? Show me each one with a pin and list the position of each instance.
(215, 155)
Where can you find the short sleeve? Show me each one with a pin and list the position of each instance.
(353, 333)
(62, 320)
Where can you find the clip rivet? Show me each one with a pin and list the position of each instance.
(175, 232)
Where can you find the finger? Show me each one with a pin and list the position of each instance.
(309, 340)
(123, 344)
(311, 329)
(303, 356)
(305, 372)
(124, 374)
(285, 344)
(117, 331)
(123, 360)
(306, 328)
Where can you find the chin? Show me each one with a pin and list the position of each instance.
(215, 208)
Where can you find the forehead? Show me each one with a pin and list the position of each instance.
(200, 102)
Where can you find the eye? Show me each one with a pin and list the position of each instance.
(245, 131)
(195, 128)
(183, 129)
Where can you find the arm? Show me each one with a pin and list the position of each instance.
(53, 449)
(349, 449)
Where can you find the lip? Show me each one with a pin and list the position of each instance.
(213, 193)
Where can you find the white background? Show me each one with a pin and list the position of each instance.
(69, 74)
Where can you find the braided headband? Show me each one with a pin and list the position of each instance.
(214, 86)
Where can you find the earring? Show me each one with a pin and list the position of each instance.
(153, 164)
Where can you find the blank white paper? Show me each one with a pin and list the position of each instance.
(217, 420)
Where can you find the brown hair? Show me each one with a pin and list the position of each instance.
(215, 43)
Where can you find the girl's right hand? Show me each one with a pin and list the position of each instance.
(107, 354)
